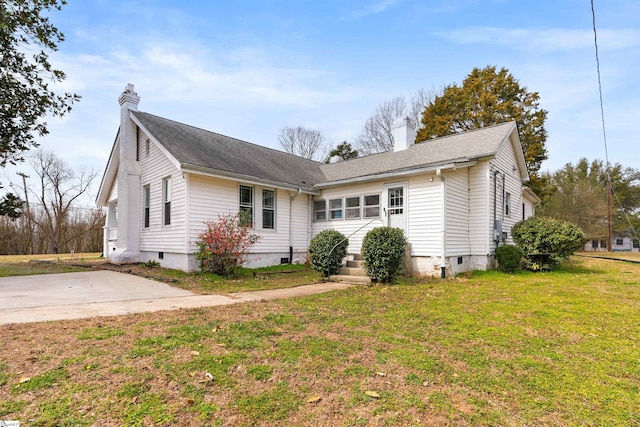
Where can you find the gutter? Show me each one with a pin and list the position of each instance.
(443, 255)
(185, 167)
(395, 174)
(291, 199)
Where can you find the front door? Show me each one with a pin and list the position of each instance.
(396, 206)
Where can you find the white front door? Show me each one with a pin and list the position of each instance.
(396, 209)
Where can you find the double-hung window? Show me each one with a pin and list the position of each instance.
(268, 209)
(352, 207)
(166, 201)
(335, 209)
(320, 210)
(246, 204)
(372, 206)
(146, 196)
(507, 204)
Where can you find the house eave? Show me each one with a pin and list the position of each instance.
(249, 179)
(462, 163)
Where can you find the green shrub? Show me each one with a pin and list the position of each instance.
(327, 249)
(546, 241)
(383, 252)
(509, 258)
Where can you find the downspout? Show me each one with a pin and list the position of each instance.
(443, 255)
(291, 199)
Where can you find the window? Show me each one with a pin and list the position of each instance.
(352, 207)
(372, 206)
(166, 201)
(268, 209)
(335, 209)
(147, 147)
(594, 244)
(146, 196)
(636, 243)
(603, 244)
(396, 201)
(507, 204)
(246, 204)
(320, 210)
(619, 242)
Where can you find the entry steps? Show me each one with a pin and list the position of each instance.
(353, 272)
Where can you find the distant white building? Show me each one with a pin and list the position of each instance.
(456, 197)
(618, 244)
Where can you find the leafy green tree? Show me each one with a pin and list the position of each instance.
(344, 151)
(26, 37)
(578, 194)
(488, 97)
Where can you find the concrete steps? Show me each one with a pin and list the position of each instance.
(353, 272)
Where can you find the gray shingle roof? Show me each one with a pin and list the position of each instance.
(201, 149)
(192, 146)
(455, 148)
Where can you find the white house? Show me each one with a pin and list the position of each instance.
(456, 197)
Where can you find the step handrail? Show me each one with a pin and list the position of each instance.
(346, 238)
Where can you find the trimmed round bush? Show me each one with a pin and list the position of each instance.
(509, 258)
(327, 249)
(546, 242)
(383, 252)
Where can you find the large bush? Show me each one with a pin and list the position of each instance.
(225, 244)
(546, 241)
(508, 257)
(383, 252)
(327, 249)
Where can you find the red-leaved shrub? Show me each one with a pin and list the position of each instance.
(225, 244)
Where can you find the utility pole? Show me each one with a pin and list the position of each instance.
(26, 199)
(609, 227)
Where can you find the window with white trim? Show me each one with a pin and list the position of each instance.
(320, 210)
(146, 201)
(507, 204)
(335, 209)
(619, 242)
(268, 209)
(372, 206)
(246, 204)
(352, 207)
(166, 201)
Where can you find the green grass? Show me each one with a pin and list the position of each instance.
(556, 349)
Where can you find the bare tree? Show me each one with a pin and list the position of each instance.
(303, 142)
(60, 189)
(377, 132)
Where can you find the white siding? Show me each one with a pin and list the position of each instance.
(155, 167)
(211, 197)
(480, 219)
(113, 194)
(505, 163)
(422, 207)
(457, 186)
(425, 215)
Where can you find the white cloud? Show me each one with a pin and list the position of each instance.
(544, 40)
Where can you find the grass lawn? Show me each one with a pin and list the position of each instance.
(492, 349)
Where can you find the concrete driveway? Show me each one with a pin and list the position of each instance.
(25, 299)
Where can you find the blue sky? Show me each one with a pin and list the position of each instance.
(248, 68)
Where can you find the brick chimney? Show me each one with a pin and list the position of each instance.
(404, 133)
